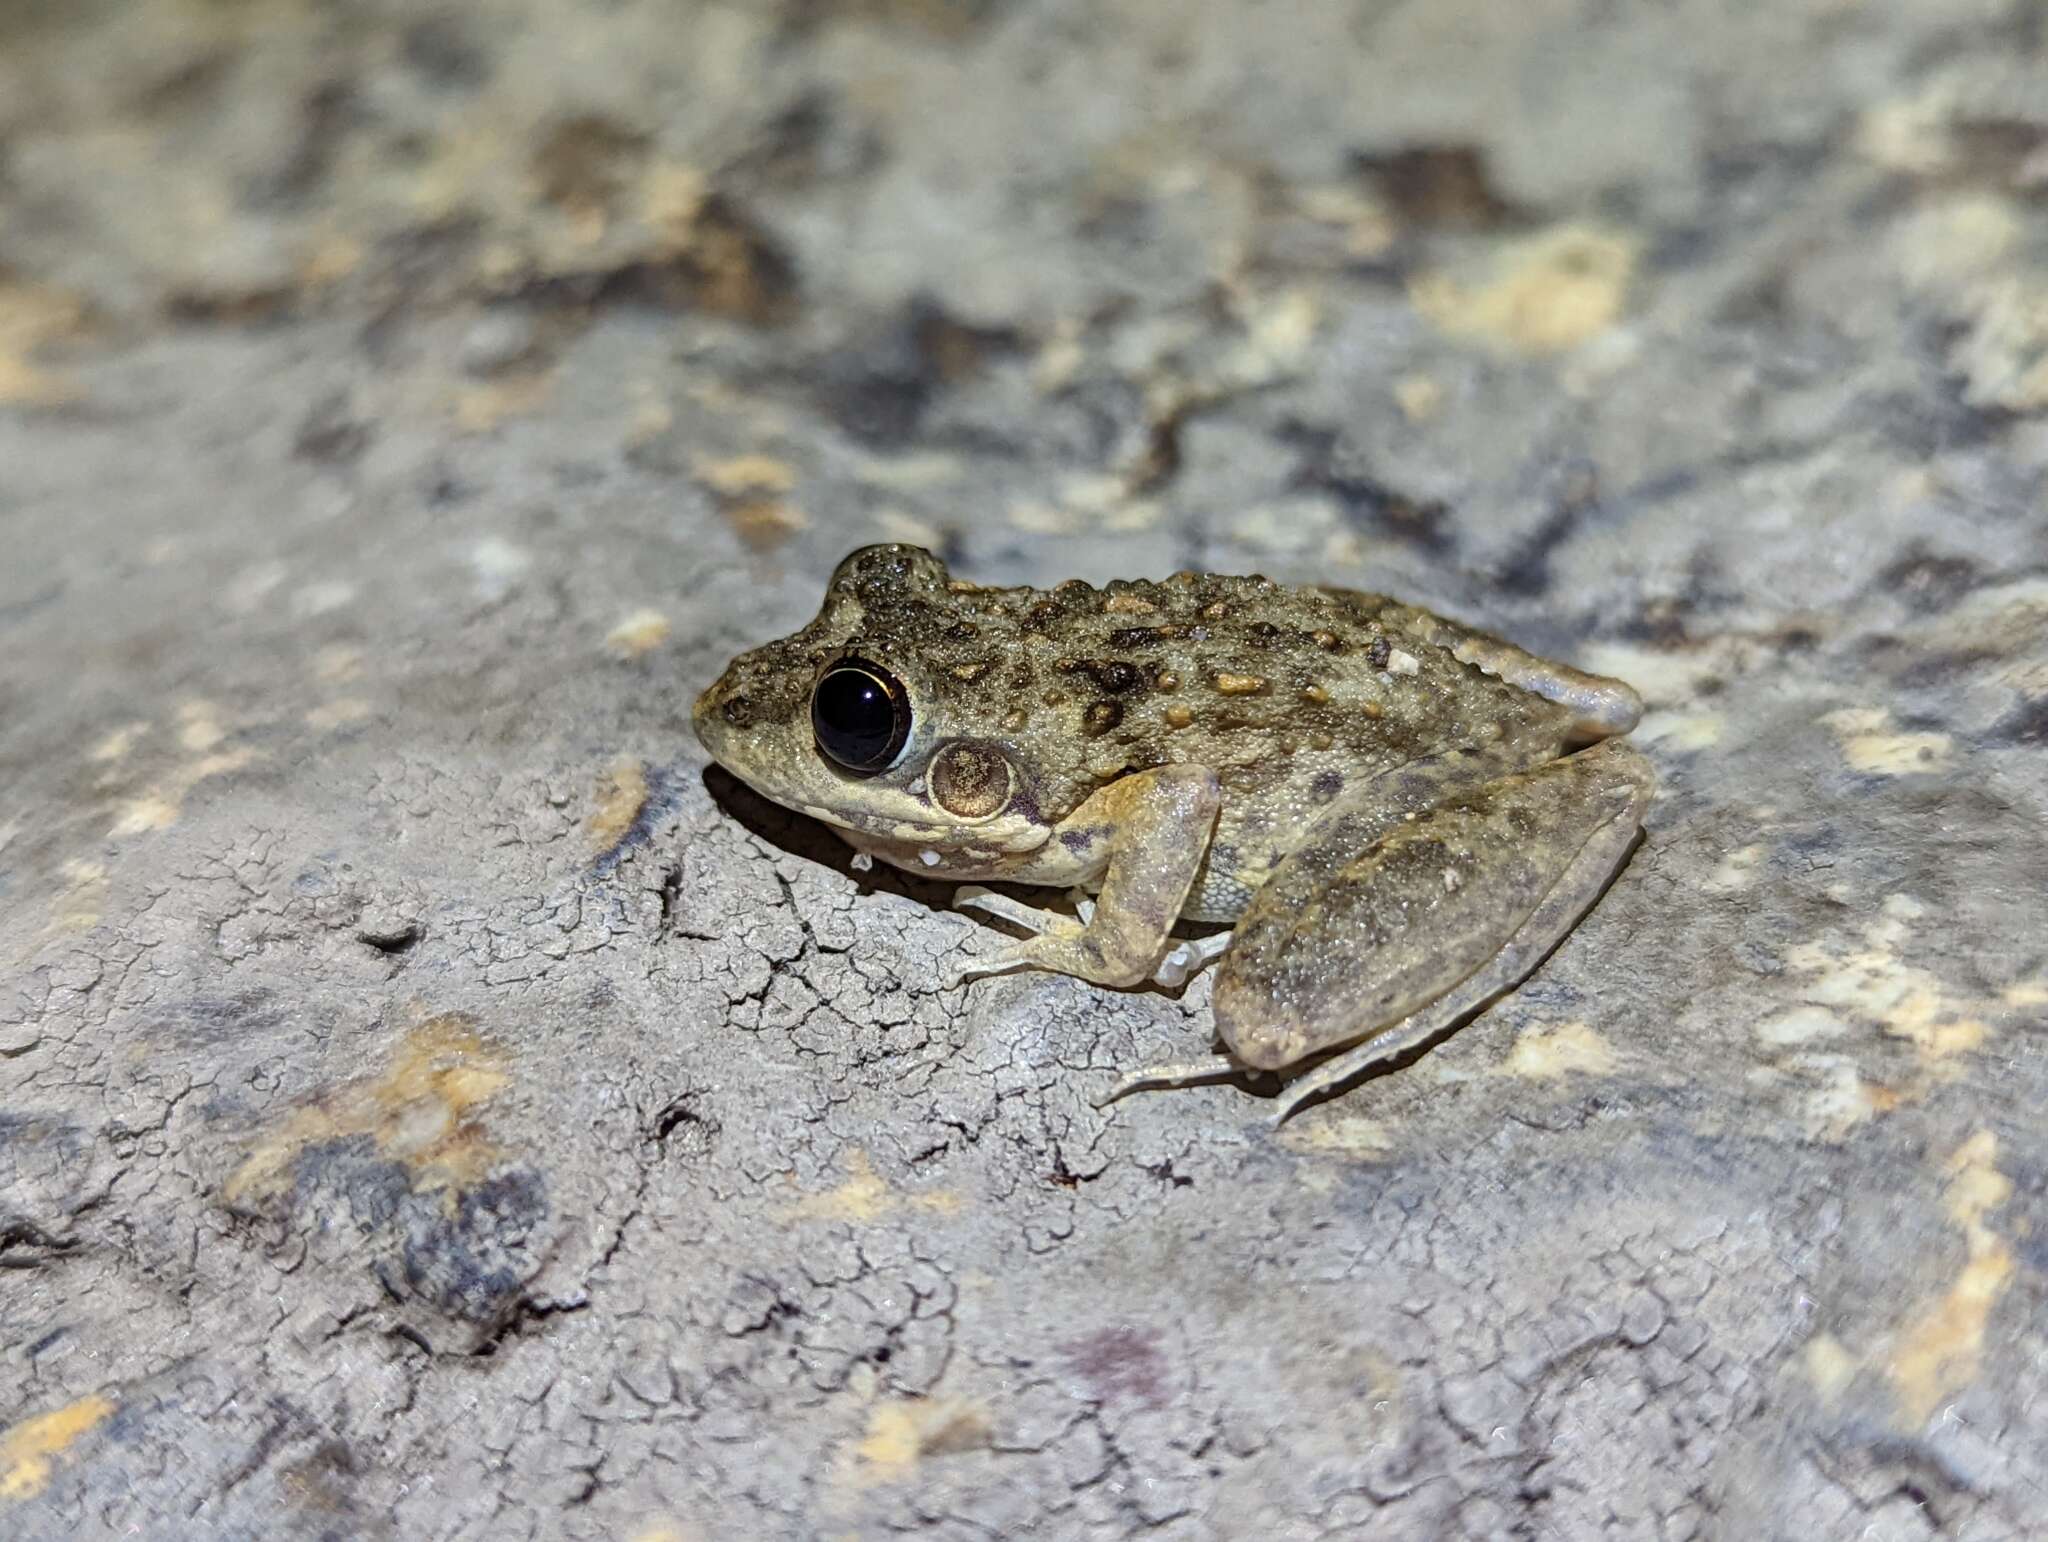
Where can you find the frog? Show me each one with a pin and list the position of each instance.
(1395, 817)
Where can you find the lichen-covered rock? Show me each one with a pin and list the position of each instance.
(430, 1105)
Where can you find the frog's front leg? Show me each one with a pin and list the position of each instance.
(1158, 826)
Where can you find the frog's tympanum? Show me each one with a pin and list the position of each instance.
(1400, 815)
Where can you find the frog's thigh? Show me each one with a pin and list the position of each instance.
(1341, 943)
(1160, 824)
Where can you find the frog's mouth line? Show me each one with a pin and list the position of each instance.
(877, 829)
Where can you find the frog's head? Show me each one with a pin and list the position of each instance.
(893, 715)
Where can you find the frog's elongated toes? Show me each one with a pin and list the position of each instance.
(1002, 961)
(1179, 1073)
(973, 898)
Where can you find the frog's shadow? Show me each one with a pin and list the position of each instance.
(813, 841)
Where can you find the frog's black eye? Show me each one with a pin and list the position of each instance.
(860, 714)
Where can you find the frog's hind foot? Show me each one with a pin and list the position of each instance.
(1179, 1073)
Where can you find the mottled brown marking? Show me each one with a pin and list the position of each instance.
(1215, 612)
(1239, 685)
(973, 670)
(1113, 676)
(1016, 718)
(1314, 693)
(1128, 604)
(1142, 636)
(1101, 717)
(1329, 642)
(1166, 680)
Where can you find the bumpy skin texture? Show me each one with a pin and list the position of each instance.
(1338, 768)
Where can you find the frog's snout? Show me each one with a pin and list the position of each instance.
(713, 715)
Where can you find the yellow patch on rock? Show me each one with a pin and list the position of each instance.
(640, 632)
(84, 897)
(1938, 1353)
(746, 476)
(1351, 1137)
(901, 525)
(901, 1434)
(29, 1451)
(199, 726)
(116, 745)
(765, 523)
(30, 317)
(340, 713)
(1419, 397)
(1800, 1025)
(1843, 1099)
(865, 1196)
(1547, 293)
(1872, 981)
(481, 407)
(1558, 1051)
(418, 1113)
(158, 807)
(1828, 1365)
(1674, 677)
(1870, 744)
(1683, 730)
(621, 795)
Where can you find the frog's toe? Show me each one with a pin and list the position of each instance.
(1180, 1073)
(1187, 959)
(972, 897)
(1002, 961)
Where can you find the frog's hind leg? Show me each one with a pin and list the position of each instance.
(1385, 946)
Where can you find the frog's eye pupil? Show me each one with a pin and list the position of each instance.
(860, 714)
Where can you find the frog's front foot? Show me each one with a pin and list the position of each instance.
(974, 897)
(1176, 966)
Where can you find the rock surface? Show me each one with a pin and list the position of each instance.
(431, 1107)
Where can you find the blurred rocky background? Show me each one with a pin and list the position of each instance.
(428, 1108)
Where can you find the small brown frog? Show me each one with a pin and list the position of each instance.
(1386, 803)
